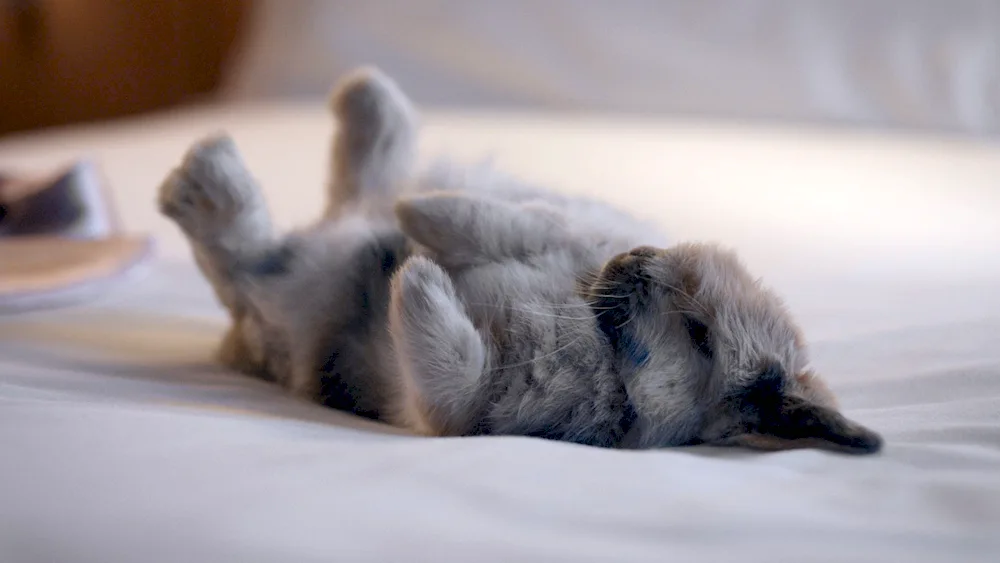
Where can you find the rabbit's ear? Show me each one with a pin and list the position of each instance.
(792, 423)
(465, 231)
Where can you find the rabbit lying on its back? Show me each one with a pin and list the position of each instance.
(461, 302)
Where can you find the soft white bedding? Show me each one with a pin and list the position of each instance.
(120, 442)
(929, 64)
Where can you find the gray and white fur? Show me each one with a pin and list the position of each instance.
(458, 301)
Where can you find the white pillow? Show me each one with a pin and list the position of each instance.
(899, 63)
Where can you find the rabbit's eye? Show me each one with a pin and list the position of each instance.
(700, 336)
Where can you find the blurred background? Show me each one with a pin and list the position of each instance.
(894, 64)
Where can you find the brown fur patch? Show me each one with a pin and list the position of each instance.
(764, 442)
(815, 390)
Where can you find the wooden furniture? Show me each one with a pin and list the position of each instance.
(67, 61)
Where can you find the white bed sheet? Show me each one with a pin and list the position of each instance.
(121, 442)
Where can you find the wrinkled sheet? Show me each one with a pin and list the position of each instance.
(120, 441)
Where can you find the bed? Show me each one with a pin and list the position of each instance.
(120, 441)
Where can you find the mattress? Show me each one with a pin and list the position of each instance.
(121, 441)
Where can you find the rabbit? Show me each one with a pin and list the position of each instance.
(461, 301)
